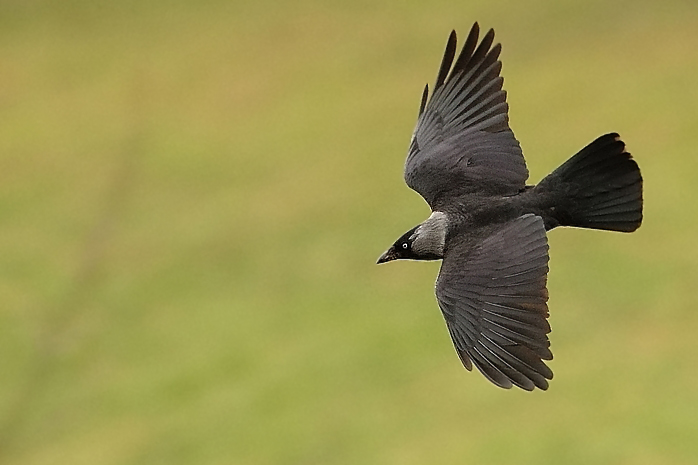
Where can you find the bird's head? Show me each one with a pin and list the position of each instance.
(423, 242)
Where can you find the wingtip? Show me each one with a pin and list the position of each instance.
(425, 96)
(447, 60)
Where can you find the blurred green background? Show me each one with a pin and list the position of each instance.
(193, 196)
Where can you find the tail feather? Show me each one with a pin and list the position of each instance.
(600, 187)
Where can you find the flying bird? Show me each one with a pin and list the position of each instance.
(488, 226)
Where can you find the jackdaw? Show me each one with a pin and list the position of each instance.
(488, 226)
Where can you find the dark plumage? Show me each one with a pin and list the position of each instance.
(488, 226)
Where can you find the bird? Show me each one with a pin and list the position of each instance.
(488, 227)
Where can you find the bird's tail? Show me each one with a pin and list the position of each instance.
(600, 188)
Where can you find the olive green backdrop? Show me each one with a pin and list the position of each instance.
(193, 196)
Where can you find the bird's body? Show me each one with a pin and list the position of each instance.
(488, 226)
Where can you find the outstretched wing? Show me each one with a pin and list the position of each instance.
(462, 143)
(494, 301)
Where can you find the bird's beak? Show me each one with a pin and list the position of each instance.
(388, 256)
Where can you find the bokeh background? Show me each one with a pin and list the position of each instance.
(193, 196)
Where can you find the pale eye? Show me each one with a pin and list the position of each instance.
(404, 245)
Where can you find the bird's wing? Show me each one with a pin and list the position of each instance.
(462, 143)
(494, 301)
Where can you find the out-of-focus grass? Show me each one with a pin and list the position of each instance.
(194, 194)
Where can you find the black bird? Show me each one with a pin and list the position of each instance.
(488, 226)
